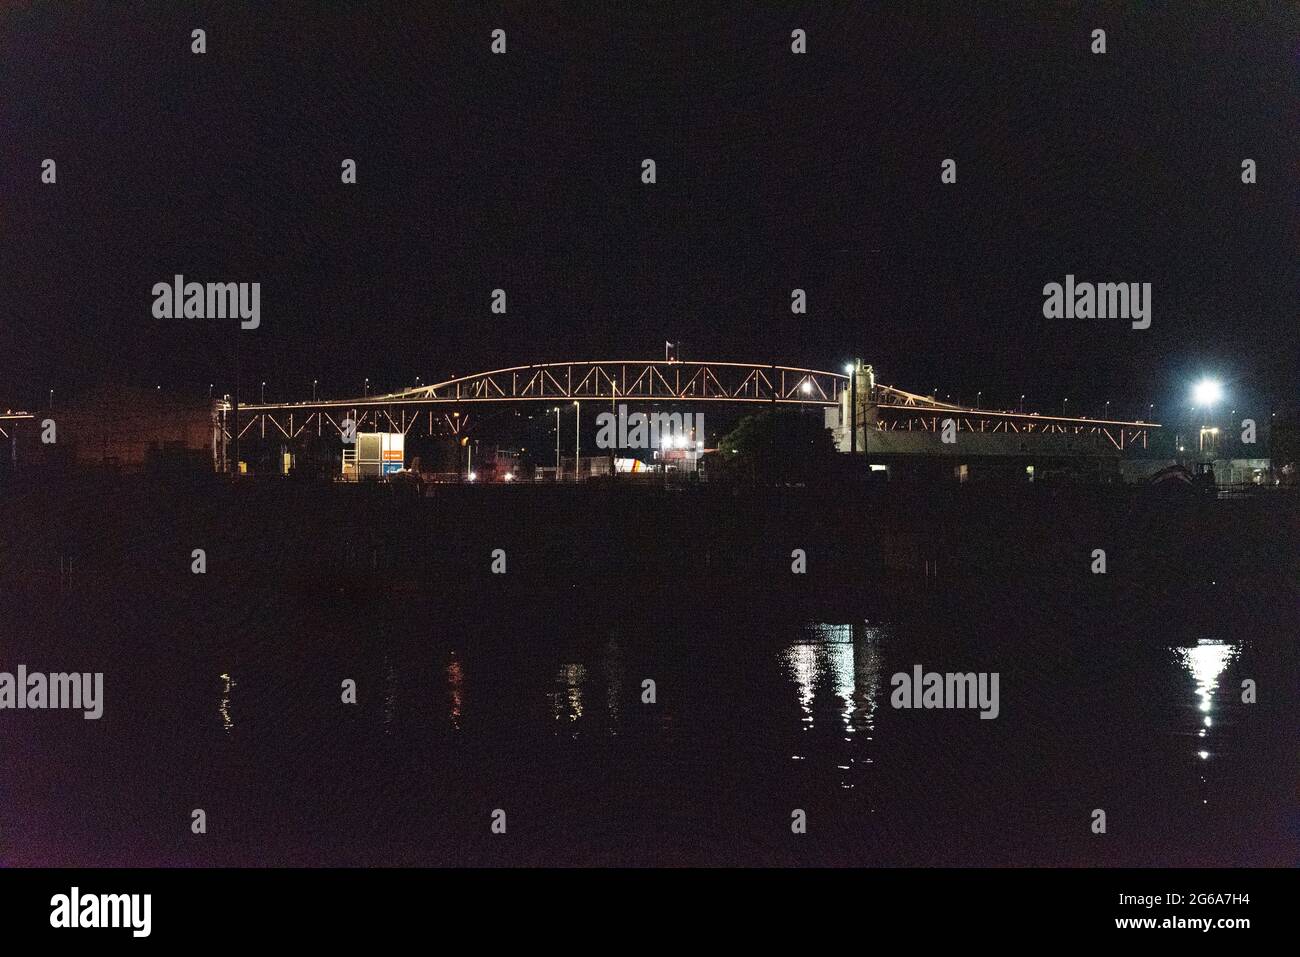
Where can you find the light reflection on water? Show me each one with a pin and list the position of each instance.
(390, 692)
(841, 661)
(223, 708)
(1206, 662)
(567, 701)
(613, 665)
(804, 706)
(455, 686)
(573, 694)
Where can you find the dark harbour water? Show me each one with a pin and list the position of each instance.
(474, 697)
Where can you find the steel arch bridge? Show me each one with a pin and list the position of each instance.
(618, 380)
(883, 408)
(624, 379)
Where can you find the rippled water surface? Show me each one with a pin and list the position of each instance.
(544, 713)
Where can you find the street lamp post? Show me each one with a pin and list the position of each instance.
(577, 439)
(1205, 395)
(852, 370)
(264, 393)
(313, 390)
(613, 410)
(1022, 402)
(557, 443)
(367, 387)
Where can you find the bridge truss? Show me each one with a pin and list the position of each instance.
(422, 408)
(898, 411)
(445, 408)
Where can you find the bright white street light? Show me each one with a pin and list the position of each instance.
(848, 369)
(806, 387)
(1207, 392)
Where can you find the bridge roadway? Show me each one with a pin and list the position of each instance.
(888, 418)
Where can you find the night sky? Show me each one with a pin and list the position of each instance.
(775, 171)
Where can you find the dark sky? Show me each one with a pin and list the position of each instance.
(775, 171)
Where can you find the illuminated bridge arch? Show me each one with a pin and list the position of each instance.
(636, 381)
(444, 407)
(428, 407)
